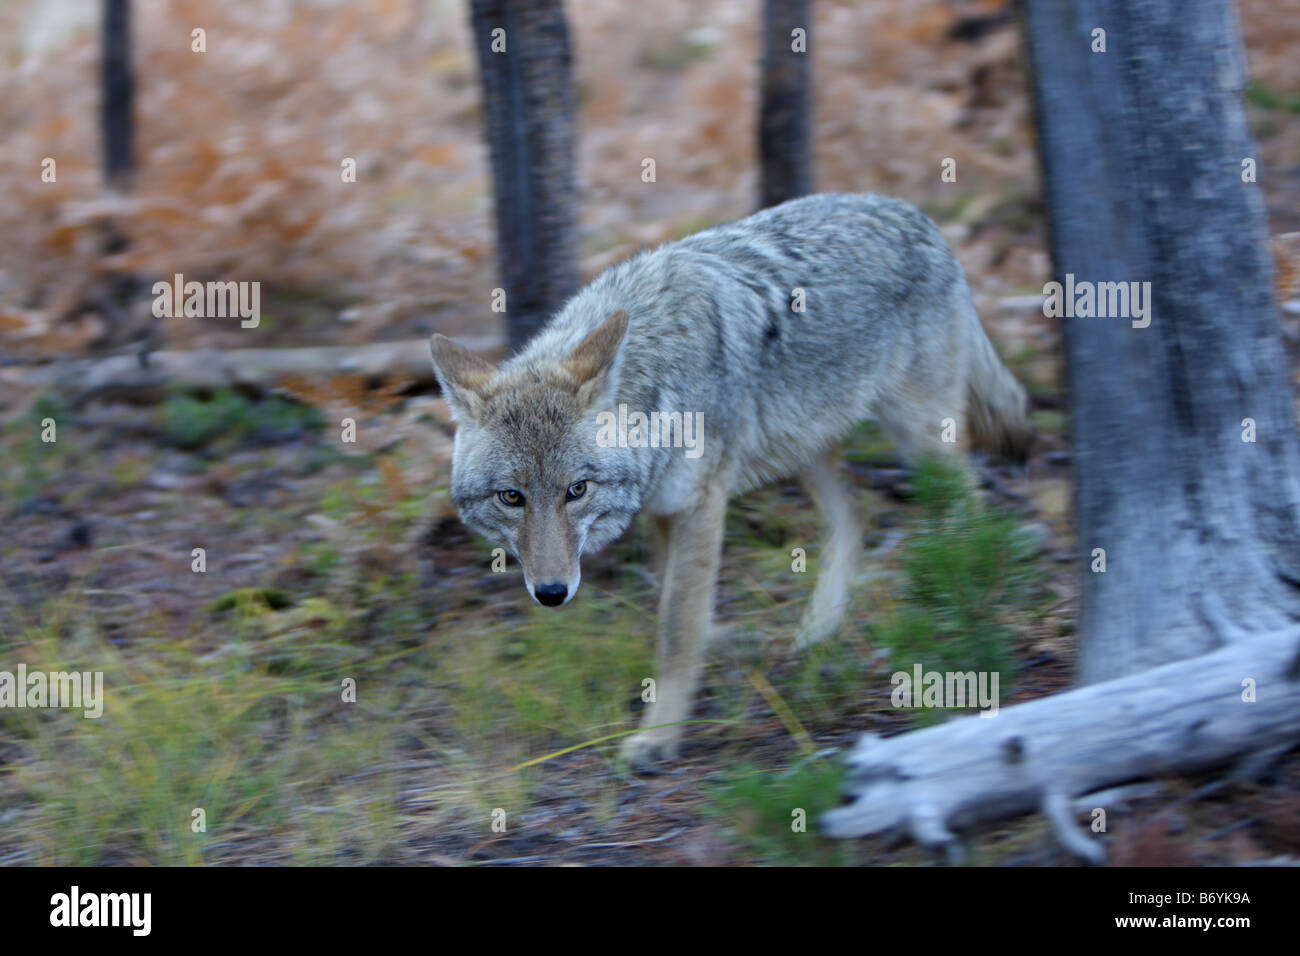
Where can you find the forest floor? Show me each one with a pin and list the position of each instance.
(326, 562)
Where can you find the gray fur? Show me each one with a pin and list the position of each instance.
(888, 330)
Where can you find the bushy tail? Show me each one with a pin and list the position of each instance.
(997, 409)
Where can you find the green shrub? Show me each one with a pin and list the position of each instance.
(965, 568)
(192, 422)
(773, 815)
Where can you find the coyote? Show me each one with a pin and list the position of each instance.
(782, 330)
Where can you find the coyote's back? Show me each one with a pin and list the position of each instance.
(787, 328)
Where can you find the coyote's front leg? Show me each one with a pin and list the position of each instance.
(692, 553)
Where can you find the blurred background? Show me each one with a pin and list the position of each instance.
(237, 151)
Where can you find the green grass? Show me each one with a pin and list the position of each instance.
(671, 54)
(1266, 97)
(1048, 421)
(30, 463)
(549, 680)
(966, 568)
(257, 751)
(191, 422)
(239, 710)
(771, 815)
(827, 682)
(867, 442)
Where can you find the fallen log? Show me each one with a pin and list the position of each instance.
(1240, 703)
(131, 378)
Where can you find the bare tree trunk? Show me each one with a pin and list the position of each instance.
(785, 113)
(1142, 149)
(118, 93)
(1186, 716)
(529, 109)
(113, 294)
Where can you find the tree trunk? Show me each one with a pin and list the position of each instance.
(1142, 148)
(118, 92)
(528, 104)
(785, 113)
(115, 289)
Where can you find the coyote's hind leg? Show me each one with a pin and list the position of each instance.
(838, 561)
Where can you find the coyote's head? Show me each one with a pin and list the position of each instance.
(526, 471)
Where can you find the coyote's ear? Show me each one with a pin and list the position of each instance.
(595, 363)
(461, 373)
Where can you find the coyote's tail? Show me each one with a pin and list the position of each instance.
(996, 405)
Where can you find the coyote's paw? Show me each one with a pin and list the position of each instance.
(815, 628)
(645, 748)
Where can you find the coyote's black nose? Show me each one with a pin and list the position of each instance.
(552, 595)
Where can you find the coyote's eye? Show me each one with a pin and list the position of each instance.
(575, 491)
(510, 497)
